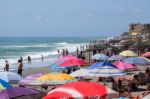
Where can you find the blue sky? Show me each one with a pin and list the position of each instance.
(70, 17)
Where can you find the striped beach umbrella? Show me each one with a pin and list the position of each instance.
(104, 69)
(116, 57)
(100, 57)
(80, 90)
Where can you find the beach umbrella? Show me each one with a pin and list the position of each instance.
(100, 57)
(4, 85)
(123, 65)
(147, 54)
(21, 93)
(137, 60)
(80, 73)
(104, 69)
(65, 58)
(80, 90)
(48, 79)
(28, 79)
(128, 53)
(147, 96)
(10, 76)
(116, 57)
(67, 63)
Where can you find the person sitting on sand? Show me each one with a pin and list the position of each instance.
(6, 68)
(135, 83)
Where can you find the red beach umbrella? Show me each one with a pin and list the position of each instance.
(72, 62)
(79, 90)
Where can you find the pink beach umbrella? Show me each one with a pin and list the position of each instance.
(65, 58)
(122, 65)
(146, 54)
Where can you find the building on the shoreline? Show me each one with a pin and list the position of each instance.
(137, 30)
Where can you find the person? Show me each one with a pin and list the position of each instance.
(20, 68)
(58, 53)
(63, 52)
(6, 68)
(21, 59)
(135, 83)
(114, 85)
(29, 59)
(42, 58)
(67, 52)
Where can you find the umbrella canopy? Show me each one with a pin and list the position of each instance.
(104, 69)
(80, 73)
(10, 76)
(28, 79)
(67, 63)
(128, 53)
(4, 85)
(65, 58)
(51, 78)
(100, 57)
(137, 60)
(116, 57)
(123, 65)
(146, 54)
(147, 96)
(20, 93)
(79, 90)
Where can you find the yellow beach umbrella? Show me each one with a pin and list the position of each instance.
(59, 76)
(128, 53)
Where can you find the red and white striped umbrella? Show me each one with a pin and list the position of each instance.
(80, 90)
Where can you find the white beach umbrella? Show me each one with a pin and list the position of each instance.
(147, 97)
(80, 73)
(10, 76)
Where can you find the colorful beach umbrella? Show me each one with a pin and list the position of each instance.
(65, 58)
(128, 53)
(123, 65)
(116, 58)
(147, 54)
(100, 57)
(21, 93)
(104, 69)
(10, 76)
(67, 63)
(48, 79)
(4, 85)
(80, 90)
(28, 79)
(137, 60)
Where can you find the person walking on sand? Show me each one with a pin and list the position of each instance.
(20, 68)
(67, 52)
(29, 59)
(6, 68)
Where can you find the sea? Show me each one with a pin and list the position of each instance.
(12, 48)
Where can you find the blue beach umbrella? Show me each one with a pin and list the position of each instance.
(100, 64)
(104, 69)
(116, 57)
(137, 60)
(4, 85)
(100, 57)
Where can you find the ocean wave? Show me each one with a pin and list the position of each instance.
(24, 46)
